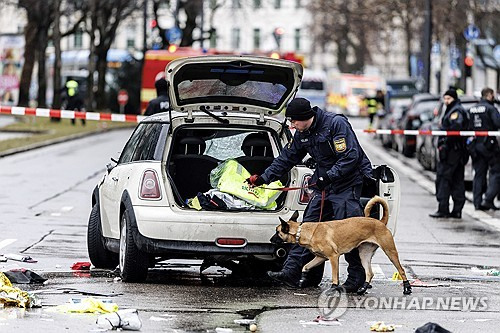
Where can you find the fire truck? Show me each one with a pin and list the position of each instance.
(155, 62)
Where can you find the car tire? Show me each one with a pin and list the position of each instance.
(98, 254)
(133, 262)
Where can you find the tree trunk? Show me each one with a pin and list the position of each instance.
(102, 65)
(29, 63)
(56, 38)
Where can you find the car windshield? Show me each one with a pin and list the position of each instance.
(425, 106)
(237, 82)
(265, 91)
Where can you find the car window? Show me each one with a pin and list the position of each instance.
(147, 145)
(425, 106)
(129, 148)
(225, 147)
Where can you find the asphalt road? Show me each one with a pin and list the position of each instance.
(45, 203)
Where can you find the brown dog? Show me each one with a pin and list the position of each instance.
(328, 240)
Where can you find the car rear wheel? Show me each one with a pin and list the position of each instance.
(133, 262)
(98, 254)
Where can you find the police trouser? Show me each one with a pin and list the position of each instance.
(480, 186)
(450, 182)
(337, 206)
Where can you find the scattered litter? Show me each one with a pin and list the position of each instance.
(380, 326)
(58, 266)
(299, 294)
(24, 276)
(419, 283)
(127, 319)
(493, 272)
(18, 257)
(117, 279)
(396, 276)
(88, 305)
(431, 328)
(320, 320)
(2, 258)
(11, 296)
(81, 266)
(223, 330)
(252, 327)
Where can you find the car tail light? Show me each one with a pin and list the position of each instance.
(231, 241)
(305, 193)
(149, 186)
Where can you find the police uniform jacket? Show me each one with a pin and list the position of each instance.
(455, 119)
(331, 142)
(485, 117)
(159, 104)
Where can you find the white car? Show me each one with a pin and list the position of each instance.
(222, 107)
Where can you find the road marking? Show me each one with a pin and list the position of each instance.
(378, 273)
(67, 209)
(7, 242)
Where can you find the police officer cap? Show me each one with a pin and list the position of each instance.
(451, 93)
(299, 109)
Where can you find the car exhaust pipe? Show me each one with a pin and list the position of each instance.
(280, 252)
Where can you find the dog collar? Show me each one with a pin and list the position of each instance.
(297, 236)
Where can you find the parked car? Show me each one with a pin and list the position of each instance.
(421, 104)
(222, 108)
(427, 145)
(392, 119)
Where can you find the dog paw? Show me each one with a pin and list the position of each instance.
(406, 288)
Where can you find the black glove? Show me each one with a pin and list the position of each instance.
(255, 180)
(323, 181)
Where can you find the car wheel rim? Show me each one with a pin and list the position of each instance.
(123, 246)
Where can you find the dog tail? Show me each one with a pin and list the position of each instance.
(385, 212)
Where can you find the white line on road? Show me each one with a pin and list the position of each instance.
(6, 242)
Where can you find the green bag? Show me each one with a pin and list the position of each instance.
(230, 177)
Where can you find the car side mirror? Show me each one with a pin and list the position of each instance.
(110, 166)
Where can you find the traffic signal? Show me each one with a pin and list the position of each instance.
(278, 33)
(468, 63)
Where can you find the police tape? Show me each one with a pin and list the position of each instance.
(66, 114)
(433, 133)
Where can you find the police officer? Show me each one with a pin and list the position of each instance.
(73, 101)
(374, 105)
(161, 102)
(341, 165)
(452, 158)
(485, 151)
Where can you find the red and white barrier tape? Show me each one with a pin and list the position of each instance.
(440, 133)
(40, 112)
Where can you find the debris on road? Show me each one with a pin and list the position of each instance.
(81, 266)
(127, 319)
(419, 283)
(380, 326)
(431, 328)
(320, 320)
(19, 257)
(12, 296)
(88, 305)
(23, 276)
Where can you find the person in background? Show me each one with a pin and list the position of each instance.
(453, 156)
(375, 104)
(72, 100)
(485, 151)
(161, 102)
(341, 167)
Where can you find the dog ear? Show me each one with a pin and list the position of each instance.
(295, 216)
(285, 228)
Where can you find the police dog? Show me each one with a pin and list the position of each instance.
(329, 240)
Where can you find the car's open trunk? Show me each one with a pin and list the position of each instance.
(196, 151)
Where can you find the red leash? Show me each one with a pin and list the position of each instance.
(286, 189)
